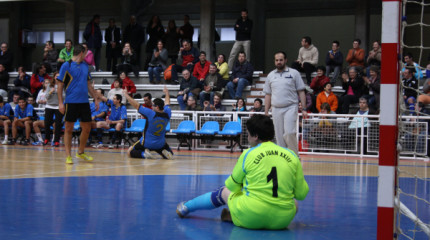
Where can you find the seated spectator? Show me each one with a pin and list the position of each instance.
(201, 69)
(116, 89)
(188, 84)
(127, 83)
(222, 67)
(4, 81)
(374, 84)
(307, 59)
(50, 56)
(89, 58)
(353, 85)
(189, 56)
(66, 53)
(213, 83)
(355, 57)
(117, 118)
(98, 118)
(319, 81)
(129, 61)
(14, 101)
(37, 79)
(22, 83)
(325, 132)
(374, 57)
(6, 57)
(327, 96)
(334, 61)
(41, 96)
(241, 76)
(358, 122)
(258, 106)
(409, 62)
(171, 38)
(158, 63)
(147, 100)
(216, 105)
(239, 106)
(23, 118)
(6, 113)
(410, 88)
(192, 104)
(32, 102)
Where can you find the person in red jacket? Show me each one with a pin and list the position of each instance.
(327, 96)
(201, 69)
(37, 79)
(319, 81)
(127, 83)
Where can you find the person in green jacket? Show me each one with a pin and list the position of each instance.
(66, 53)
(263, 186)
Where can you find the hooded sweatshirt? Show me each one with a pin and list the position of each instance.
(309, 55)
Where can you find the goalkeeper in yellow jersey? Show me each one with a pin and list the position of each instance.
(261, 190)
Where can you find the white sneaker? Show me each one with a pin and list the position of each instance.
(111, 146)
(98, 145)
(167, 154)
(150, 154)
(4, 142)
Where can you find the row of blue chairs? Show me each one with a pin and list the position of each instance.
(186, 131)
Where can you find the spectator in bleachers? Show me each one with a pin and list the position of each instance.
(319, 81)
(98, 118)
(192, 104)
(241, 76)
(171, 38)
(14, 101)
(187, 30)
(240, 105)
(22, 83)
(258, 106)
(147, 100)
(355, 57)
(134, 34)
(409, 62)
(216, 105)
(158, 62)
(50, 56)
(4, 81)
(222, 67)
(410, 88)
(66, 53)
(117, 118)
(324, 133)
(334, 61)
(353, 85)
(213, 83)
(89, 58)
(358, 122)
(127, 83)
(6, 57)
(327, 96)
(307, 59)
(243, 28)
(189, 56)
(129, 61)
(201, 69)
(32, 102)
(38, 78)
(6, 113)
(93, 36)
(51, 112)
(23, 118)
(155, 30)
(116, 89)
(188, 84)
(41, 96)
(113, 45)
(373, 82)
(374, 57)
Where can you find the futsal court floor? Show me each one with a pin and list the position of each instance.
(115, 197)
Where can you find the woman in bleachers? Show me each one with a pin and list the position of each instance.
(116, 89)
(37, 79)
(353, 85)
(222, 66)
(41, 96)
(89, 58)
(239, 106)
(155, 30)
(126, 83)
(128, 61)
(158, 62)
(171, 38)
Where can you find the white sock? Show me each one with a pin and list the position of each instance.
(39, 136)
(6, 137)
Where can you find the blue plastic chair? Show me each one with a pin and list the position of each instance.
(209, 128)
(232, 131)
(184, 133)
(136, 128)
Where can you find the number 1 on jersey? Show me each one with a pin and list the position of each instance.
(273, 176)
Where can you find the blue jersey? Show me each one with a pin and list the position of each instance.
(5, 110)
(75, 77)
(102, 108)
(23, 113)
(117, 113)
(155, 130)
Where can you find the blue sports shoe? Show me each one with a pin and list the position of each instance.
(182, 210)
(38, 143)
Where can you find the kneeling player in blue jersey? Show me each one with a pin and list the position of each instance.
(261, 190)
(153, 140)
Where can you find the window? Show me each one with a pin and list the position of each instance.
(228, 34)
(59, 37)
(42, 37)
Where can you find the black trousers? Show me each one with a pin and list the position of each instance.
(307, 68)
(49, 120)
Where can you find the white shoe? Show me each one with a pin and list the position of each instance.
(98, 145)
(4, 142)
(111, 146)
(167, 154)
(150, 154)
